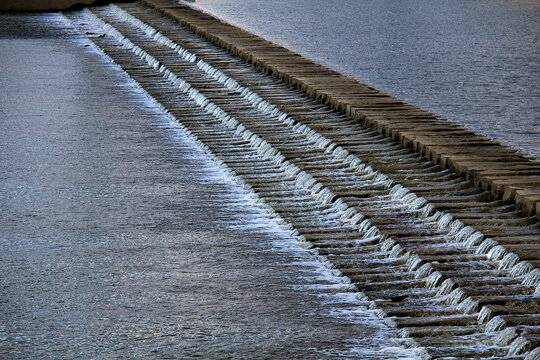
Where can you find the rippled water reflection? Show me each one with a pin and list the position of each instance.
(474, 62)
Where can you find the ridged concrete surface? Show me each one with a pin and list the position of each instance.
(506, 174)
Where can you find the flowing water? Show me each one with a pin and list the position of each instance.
(121, 238)
(473, 62)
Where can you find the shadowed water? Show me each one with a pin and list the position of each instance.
(119, 238)
(474, 62)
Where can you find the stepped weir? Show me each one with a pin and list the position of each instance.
(432, 226)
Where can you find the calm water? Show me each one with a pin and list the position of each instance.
(474, 62)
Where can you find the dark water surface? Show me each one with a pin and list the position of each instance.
(119, 238)
(474, 62)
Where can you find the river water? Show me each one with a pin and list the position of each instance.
(473, 62)
(121, 239)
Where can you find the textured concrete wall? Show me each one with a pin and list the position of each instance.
(41, 4)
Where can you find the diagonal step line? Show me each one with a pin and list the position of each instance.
(324, 194)
(408, 198)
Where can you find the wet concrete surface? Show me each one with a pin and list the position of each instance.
(119, 238)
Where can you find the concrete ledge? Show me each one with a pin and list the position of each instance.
(41, 5)
(507, 174)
